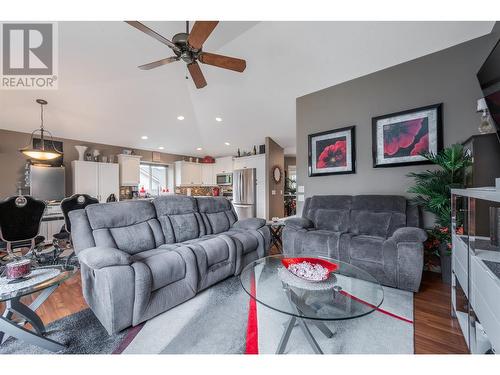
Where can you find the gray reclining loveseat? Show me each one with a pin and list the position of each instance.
(141, 258)
(378, 233)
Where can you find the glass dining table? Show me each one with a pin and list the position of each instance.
(348, 293)
(42, 280)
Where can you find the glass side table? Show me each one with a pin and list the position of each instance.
(41, 279)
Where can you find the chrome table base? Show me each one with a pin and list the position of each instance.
(9, 327)
(302, 309)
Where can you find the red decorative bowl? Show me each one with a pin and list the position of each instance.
(18, 269)
(330, 267)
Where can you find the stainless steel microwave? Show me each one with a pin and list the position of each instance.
(225, 179)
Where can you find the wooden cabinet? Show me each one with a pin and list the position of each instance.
(223, 165)
(485, 152)
(129, 169)
(98, 180)
(193, 174)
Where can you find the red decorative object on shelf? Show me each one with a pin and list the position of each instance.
(208, 160)
(329, 266)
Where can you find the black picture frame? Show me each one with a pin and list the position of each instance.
(349, 133)
(433, 131)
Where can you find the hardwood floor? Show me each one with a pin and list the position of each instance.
(435, 331)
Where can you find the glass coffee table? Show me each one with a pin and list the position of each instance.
(348, 293)
(42, 279)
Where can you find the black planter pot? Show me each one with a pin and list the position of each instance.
(445, 258)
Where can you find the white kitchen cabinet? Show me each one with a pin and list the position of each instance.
(207, 174)
(223, 165)
(259, 163)
(98, 180)
(108, 181)
(194, 174)
(129, 169)
(85, 177)
(187, 173)
(49, 228)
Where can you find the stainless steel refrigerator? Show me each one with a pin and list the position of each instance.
(47, 183)
(244, 192)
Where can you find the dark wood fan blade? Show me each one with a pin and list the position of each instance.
(154, 34)
(158, 63)
(200, 32)
(226, 62)
(197, 75)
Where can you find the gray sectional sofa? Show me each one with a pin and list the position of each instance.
(141, 258)
(378, 233)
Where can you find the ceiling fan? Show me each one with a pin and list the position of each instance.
(188, 47)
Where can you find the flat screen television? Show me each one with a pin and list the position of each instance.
(489, 79)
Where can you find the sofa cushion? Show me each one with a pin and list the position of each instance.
(215, 258)
(386, 203)
(217, 214)
(330, 219)
(321, 242)
(128, 226)
(179, 218)
(366, 248)
(370, 223)
(166, 266)
(244, 239)
(334, 202)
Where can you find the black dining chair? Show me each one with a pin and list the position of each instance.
(75, 202)
(20, 218)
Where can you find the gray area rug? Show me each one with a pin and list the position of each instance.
(81, 333)
(215, 322)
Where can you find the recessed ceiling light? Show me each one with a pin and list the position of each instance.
(180, 118)
(199, 149)
(227, 143)
(161, 148)
(218, 119)
(144, 137)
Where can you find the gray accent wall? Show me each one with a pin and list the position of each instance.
(448, 77)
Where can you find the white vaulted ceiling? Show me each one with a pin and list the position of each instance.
(103, 97)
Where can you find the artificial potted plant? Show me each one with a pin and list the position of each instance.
(433, 193)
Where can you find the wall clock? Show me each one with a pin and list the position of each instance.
(277, 174)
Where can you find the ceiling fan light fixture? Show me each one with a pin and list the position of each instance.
(40, 152)
(188, 48)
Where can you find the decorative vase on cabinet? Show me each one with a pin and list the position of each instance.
(81, 152)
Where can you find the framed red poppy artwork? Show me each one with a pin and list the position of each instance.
(332, 152)
(401, 138)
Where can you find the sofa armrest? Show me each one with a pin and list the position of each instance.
(101, 257)
(299, 223)
(409, 234)
(252, 223)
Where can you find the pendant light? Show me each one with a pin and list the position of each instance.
(40, 153)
